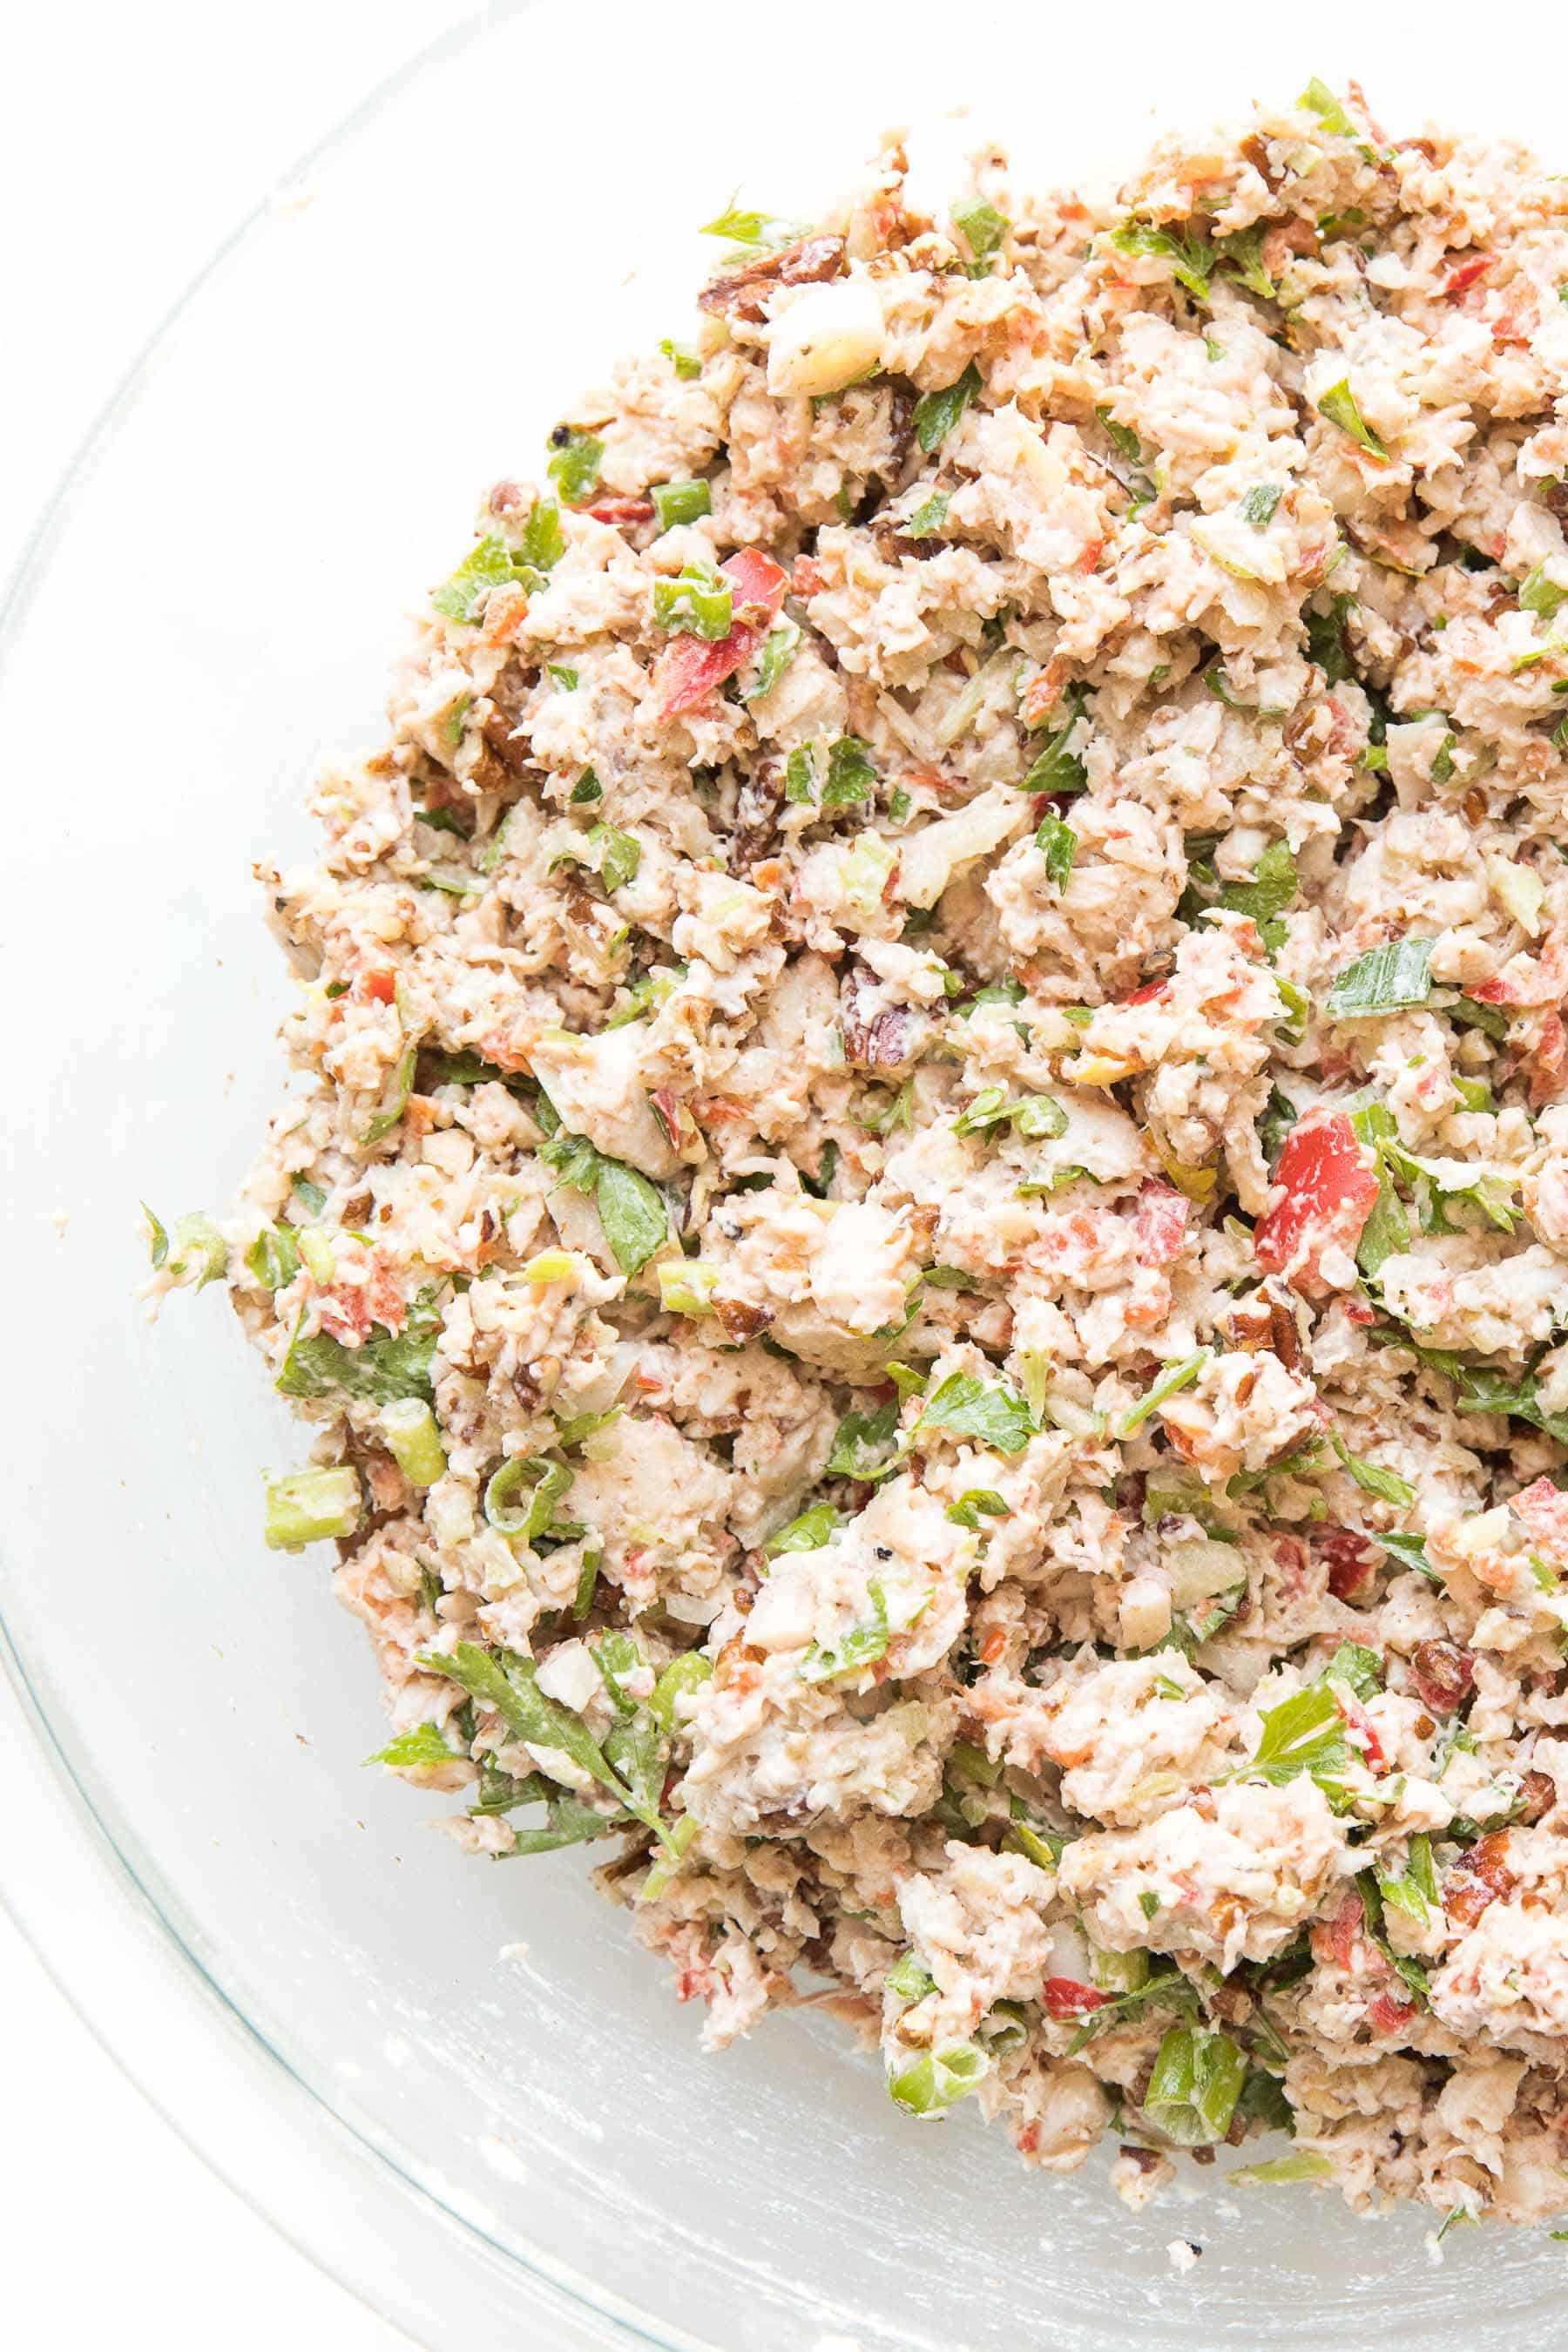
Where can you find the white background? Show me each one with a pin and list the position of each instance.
(135, 140)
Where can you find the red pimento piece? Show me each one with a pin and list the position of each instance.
(620, 511)
(1460, 281)
(1066, 1996)
(380, 987)
(1331, 1190)
(1390, 2013)
(1336, 1939)
(690, 669)
(1159, 1223)
(1351, 1560)
(1544, 1507)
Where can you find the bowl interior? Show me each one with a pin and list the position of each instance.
(218, 597)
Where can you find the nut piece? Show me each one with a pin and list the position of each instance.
(829, 339)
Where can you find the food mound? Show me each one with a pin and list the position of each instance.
(925, 1218)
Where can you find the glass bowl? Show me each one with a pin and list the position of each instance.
(529, 2144)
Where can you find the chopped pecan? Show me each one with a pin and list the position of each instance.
(1478, 1880)
(1442, 1673)
(742, 293)
(757, 808)
(739, 1321)
(1537, 1795)
(507, 698)
(879, 1041)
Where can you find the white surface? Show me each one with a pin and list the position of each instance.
(180, 115)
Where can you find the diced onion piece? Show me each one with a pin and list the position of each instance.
(1519, 890)
(830, 338)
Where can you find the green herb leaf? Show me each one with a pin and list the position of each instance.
(397, 1364)
(543, 539)
(1413, 1890)
(1174, 1378)
(1122, 438)
(929, 519)
(1410, 1551)
(1243, 248)
(1188, 258)
(509, 1685)
(1059, 844)
(861, 1441)
(1302, 1734)
(861, 1646)
(395, 1101)
(1306, 2164)
(273, 1256)
(979, 1502)
(1258, 507)
(938, 413)
(1339, 405)
(808, 1533)
(850, 775)
(984, 227)
(995, 1414)
(1059, 769)
(1354, 1664)
(780, 647)
(1326, 641)
(1372, 1479)
(1319, 99)
(421, 1745)
(678, 1680)
(752, 228)
(633, 1214)
(1541, 596)
(616, 854)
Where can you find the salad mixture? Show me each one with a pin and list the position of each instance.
(924, 1221)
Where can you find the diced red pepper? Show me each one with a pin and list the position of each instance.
(1548, 1058)
(1336, 1939)
(620, 511)
(1544, 1507)
(1390, 2013)
(1147, 994)
(1350, 1559)
(1330, 1189)
(1066, 1996)
(380, 987)
(1159, 1223)
(1459, 280)
(1360, 1722)
(690, 669)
